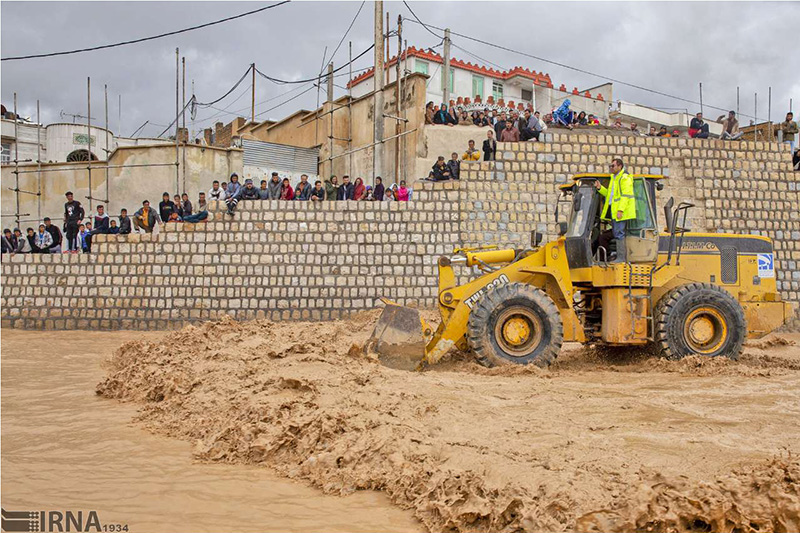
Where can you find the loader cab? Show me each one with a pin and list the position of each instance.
(583, 227)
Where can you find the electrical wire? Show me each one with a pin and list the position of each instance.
(557, 63)
(316, 78)
(346, 32)
(287, 101)
(143, 39)
(246, 72)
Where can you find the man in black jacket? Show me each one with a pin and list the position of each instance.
(53, 230)
(500, 126)
(125, 222)
(73, 215)
(346, 189)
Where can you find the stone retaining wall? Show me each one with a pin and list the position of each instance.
(301, 260)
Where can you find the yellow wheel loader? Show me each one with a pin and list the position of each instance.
(682, 293)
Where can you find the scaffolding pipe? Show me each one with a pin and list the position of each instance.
(377, 109)
(177, 118)
(108, 149)
(403, 148)
(96, 167)
(16, 154)
(39, 157)
(350, 152)
(183, 115)
(350, 112)
(330, 103)
(398, 96)
(769, 114)
(89, 136)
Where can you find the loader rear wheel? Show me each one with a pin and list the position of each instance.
(699, 319)
(515, 323)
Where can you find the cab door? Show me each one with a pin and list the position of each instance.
(641, 238)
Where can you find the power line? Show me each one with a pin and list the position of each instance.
(246, 72)
(286, 102)
(143, 39)
(346, 32)
(316, 78)
(563, 65)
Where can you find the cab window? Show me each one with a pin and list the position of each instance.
(644, 213)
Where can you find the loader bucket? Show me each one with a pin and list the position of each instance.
(398, 337)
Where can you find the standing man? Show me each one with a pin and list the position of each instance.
(274, 187)
(55, 233)
(345, 191)
(510, 133)
(789, 129)
(619, 207)
(500, 125)
(472, 153)
(73, 215)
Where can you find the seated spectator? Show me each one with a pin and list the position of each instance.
(698, 129)
(175, 217)
(84, 239)
(617, 123)
(489, 147)
(510, 133)
(145, 218)
(9, 245)
(303, 190)
(44, 240)
(359, 190)
(379, 191)
(23, 246)
(248, 192)
(186, 205)
(55, 233)
(224, 186)
(635, 129)
(345, 191)
(125, 222)
(331, 186)
(454, 166)
(444, 117)
(216, 192)
(581, 120)
(318, 193)
(113, 229)
(429, 113)
(202, 210)
(563, 116)
(676, 133)
(31, 238)
(662, 132)
(593, 120)
(439, 171)
(368, 197)
(789, 129)
(652, 132)
(166, 207)
(202, 205)
(730, 127)
(178, 205)
(796, 159)
(464, 119)
(263, 192)
(403, 193)
(287, 193)
(534, 127)
(275, 187)
(472, 153)
(481, 120)
(522, 123)
(233, 185)
(389, 195)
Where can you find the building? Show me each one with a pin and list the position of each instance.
(479, 86)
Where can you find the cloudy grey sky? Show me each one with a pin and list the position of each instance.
(669, 47)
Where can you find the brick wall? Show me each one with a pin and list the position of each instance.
(286, 260)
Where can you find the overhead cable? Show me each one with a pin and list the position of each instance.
(143, 39)
(316, 78)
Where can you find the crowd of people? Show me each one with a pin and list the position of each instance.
(78, 229)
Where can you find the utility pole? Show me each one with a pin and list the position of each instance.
(769, 113)
(177, 118)
(330, 82)
(446, 71)
(701, 96)
(377, 150)
(183, 120)
(737, 101)
(330, 110)
(253, 97)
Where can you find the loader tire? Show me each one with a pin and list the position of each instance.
(515, 323)
(698, 319)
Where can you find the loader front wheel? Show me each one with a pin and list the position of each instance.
(699, 319)
(515, 323)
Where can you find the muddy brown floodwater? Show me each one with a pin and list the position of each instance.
(65, 448)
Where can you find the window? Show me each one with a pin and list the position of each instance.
(477, 86)
(452, 80)
(420, 66)
(497, 90)
(527, 95)
(644, 215)
(6, 156)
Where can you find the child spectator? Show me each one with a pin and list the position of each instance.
(44, 240)
(175, 217)
(454, 166)
(379, 191)
(582, 120)
(286, 190)
(368, 194)
(55, 233)
(472, 154)
(113, 229)
(84, 238)
(358, 189)
(186, 205)
(303, 189)
(178, 205)
(233, 185)
(403, 192)
(23, 246)
(125, 222)
(389, 195)
(318, 193)
(439, 171)
(31, 238)
(263, 192)
(8, 244)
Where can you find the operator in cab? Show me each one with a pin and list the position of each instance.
(619, 207)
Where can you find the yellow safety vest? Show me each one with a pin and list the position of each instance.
(619, 197)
